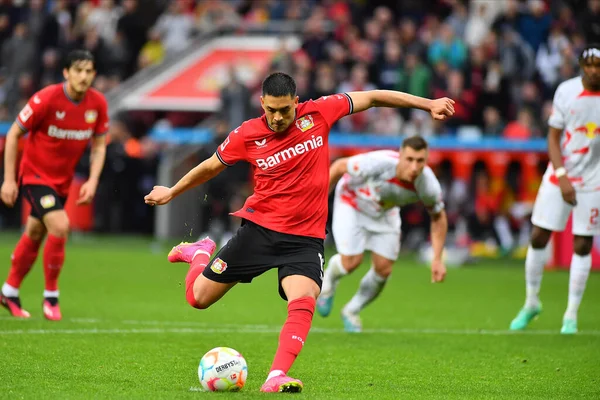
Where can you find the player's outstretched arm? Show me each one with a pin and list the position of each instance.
(10, 189)
(204, 172)
(556, 158)
(336, 171)
(439, 108)
(439, 229)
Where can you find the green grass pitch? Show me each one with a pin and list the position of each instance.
(128, 333)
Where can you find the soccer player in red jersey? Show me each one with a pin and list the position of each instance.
(61, 120)
(284, 220)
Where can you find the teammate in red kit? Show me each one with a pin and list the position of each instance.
(61, 120)
(284, 220)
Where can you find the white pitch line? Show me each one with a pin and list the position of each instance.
(272, 330)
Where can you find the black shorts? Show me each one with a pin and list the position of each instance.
(254, 250)
(43, 199)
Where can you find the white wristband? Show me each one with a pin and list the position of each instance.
(560, 172)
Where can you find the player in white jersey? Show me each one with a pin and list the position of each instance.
(366, 216)
(571, 184)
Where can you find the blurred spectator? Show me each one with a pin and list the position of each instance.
(448, 47)
(175, 28)
(523, 127)
(386, 122)
(492, 122)
(235, 100)
(153, 51)
(358, 81)
(589, 20)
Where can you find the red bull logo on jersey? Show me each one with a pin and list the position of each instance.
(305, 123)
(289, 153)
(590, 130)
(73, 134)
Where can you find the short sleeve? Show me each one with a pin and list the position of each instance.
(430, 193)
(557, 117)
(33, 113)
(334, 107)
(233, 148)
(366, 166)
(103, 121)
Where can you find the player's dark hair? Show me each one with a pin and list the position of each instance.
(590, 51)
(279, 84)
(76, 56)
(415, 142)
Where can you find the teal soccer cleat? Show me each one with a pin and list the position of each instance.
(524, 317)
(569, 327)
(352, 322)
(324, 305)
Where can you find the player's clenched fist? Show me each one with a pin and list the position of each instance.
(158, 196)
(9, 193)
(438, 271)
(442, 108)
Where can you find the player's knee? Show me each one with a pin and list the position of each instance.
(582, 245)
(539, 237)
(384, 269)
(35, 230)
(350, 263)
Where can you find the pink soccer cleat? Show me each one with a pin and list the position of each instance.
(51, 312)
(184, 252)
(282, 384)
(13, 305)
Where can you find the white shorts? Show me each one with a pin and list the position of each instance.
(551, 212)
(355, 232)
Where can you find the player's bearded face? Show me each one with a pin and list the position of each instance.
(411, 163)
(280, 111)
(80, 75)
(591, 71)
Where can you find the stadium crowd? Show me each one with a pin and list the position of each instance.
(501, 60)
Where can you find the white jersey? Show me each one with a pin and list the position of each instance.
(371, 186)
(577, 112)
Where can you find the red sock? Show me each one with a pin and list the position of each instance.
(54, 258)
(23, 258)
(294, 333)
(199, 262)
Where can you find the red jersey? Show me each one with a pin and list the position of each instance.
(59, 132)
(291, 171)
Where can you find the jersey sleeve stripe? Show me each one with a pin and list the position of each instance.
(21, 125)
(221, 159)
(101, 133)
(350, 103)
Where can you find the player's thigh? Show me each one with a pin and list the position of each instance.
(550, 211)
(207, 292)
(57, 223)
(586, 214)
(249, 253)
(349, 236)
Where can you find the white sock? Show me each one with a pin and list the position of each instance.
(332, 275)
(275, 372)
(370, 286)
(534, 269)
(50, 293)
(10, 291)
(578, 276)
(200, 252)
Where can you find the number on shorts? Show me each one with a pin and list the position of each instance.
(594, 216)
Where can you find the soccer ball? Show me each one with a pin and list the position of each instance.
(222, 369)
